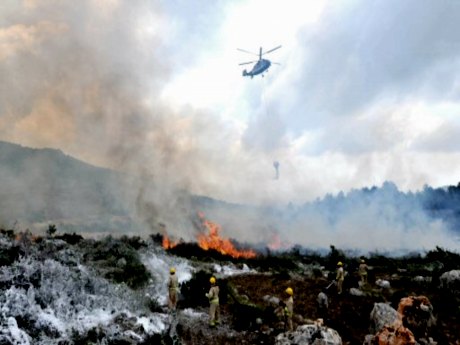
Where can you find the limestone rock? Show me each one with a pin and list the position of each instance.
(384, 315)
(451, 280)
(384, 284)
(272, 300)
(404, 326)
(356, 292)
(313, 334)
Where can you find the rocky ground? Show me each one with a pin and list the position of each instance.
(348, 315)
(64, 290)
(247, 297)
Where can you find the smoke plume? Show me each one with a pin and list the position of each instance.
(87, 77)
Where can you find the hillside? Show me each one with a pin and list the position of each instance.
(41, 185)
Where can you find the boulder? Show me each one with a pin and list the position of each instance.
(414, 303)
(384, 284)
(272, 300)
(387, 325)
(394, 336)
(451, 281)
(356, 292)
(404, 326)
(313, 334)
(417, 314)
(384, 315)
(121, 263)
(422, 280)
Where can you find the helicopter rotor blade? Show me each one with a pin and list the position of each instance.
(246, 63)
(269, 51)
(245, 51)
(275, 63)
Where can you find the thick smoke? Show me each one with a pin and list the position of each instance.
(87, 77)
(378, 219)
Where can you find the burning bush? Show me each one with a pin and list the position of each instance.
(213, 240)
(208, 239)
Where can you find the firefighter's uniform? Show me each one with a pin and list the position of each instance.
(214, 309)
(363, 272)
(340, 277)
(289, 309)
(173, 289)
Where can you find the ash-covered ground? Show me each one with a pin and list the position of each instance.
(66, 289)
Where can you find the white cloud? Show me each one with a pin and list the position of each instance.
(365, 93)
(360, 97)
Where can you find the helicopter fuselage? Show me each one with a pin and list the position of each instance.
(261, 66)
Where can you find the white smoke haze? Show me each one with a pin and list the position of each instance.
(108, 82)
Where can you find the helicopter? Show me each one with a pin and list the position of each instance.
(261, 65)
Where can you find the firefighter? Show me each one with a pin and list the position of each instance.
(363, 272)
(173, 288)
(213, 296)
(288, 310)
(339, 277)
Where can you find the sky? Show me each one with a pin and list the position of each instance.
(365, 92)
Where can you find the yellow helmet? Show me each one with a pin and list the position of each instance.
(363, 261)
(289, 291)
(172, 270)
(212, 280)
(339, 263)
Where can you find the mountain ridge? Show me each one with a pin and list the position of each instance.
(42, 186)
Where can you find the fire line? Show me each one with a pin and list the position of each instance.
(212, 240)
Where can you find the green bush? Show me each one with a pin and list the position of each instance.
(121, 261)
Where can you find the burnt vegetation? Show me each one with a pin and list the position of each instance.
(247, 308)
(244, 297)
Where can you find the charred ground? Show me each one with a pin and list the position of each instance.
(247, 315)
(244, 297)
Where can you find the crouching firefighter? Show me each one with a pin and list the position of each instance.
(288, 310)
(213, 296)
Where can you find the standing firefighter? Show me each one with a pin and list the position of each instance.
(339, 277)
(173, 288)
(363, 272)
(213, 296)
(288, 310)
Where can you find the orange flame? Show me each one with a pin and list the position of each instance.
(212, 240)
(167, 243)
(26, 236)
(275, 242)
